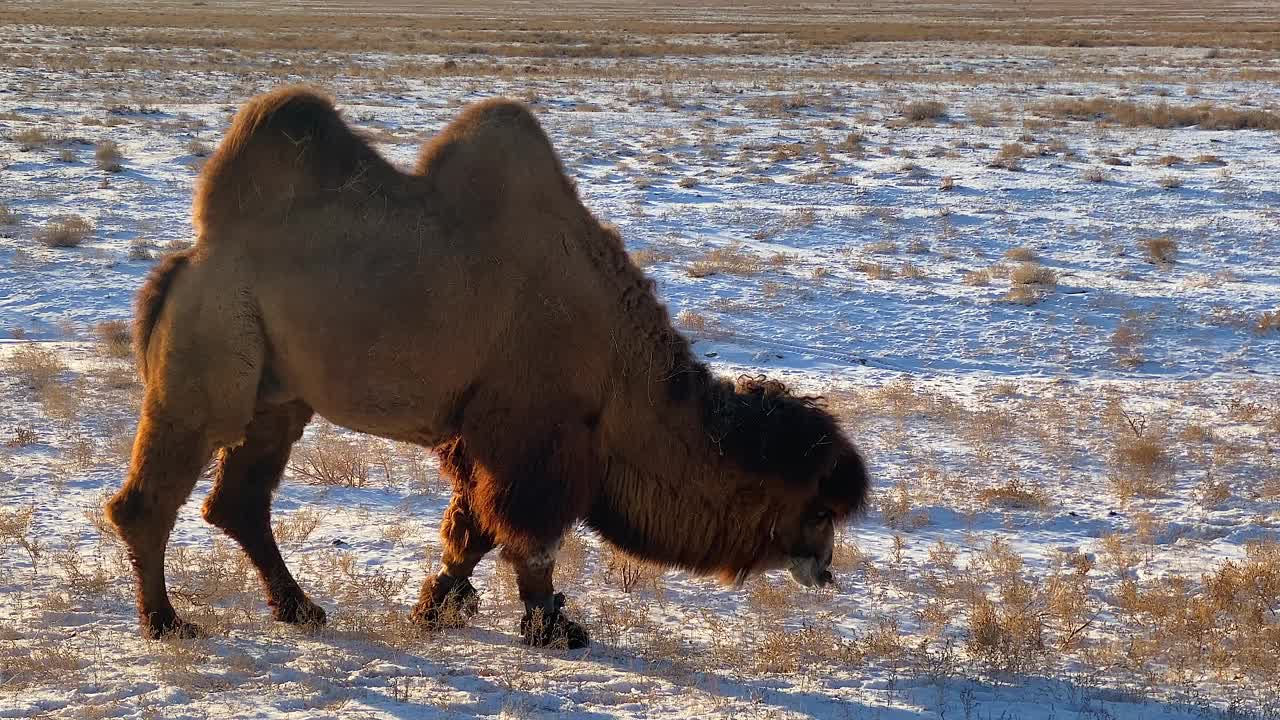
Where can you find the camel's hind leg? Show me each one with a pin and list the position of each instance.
(201, 349)
(448, 598)
(240, 504)
(168, 455)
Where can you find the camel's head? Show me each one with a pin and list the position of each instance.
(807, 474)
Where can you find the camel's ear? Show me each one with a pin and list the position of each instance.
(845, 488)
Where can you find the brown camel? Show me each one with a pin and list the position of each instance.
(476, 307)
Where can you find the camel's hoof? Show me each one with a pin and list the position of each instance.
(553, 630)
(449, 605)
(168, 626)
(299, 611)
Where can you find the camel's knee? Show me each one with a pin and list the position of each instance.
(127, 511)
(165, 465)
(234, 515)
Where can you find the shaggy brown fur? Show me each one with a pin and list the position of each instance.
(474, 306)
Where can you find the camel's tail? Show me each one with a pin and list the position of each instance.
(283, 147)
(150, 301)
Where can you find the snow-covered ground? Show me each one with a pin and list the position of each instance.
(1001, 433)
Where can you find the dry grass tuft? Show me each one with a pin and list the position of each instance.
(1013, 495)
(7, 215)
(691, 320)
(1170, 182)
(1140, 463)
(1161, 250)
(1268, 321)
(115, 338)
(37, 367)
(65, 231)
(910, 271)
(332, 459)
(1031, 273)
(647, 257)
(1225, 623)
(1021, 254)
(32, 139)
(1159, 115)
(924, 110)
(1094, 175)
(629, 574)
(731, 260)
(1010, 157)
(875, 271)
(108, 156)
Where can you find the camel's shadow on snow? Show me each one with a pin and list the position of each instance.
(499, 676)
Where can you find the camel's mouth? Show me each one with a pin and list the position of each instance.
(809, 572)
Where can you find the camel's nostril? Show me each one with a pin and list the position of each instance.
(824, 578)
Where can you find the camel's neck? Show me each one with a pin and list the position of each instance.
(668, 498)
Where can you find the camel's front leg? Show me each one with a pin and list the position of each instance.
(543, 623)
(448, 598)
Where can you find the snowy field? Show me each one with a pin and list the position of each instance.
(1041, 287)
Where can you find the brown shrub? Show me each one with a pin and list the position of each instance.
(1031, 273)
(1161, 250)
(108, 156)
(731, 259)
(114, 337)
(65, 231)
(922, 110)
(1268, 321)
(1160, 115)
(628, 573)
(875, 271)
(647, 257)
(1013, 495)
(910, 271)
(1009, 157)
(1140, 463)
(37, 367)
(31, 139)
(332, 459)
(1021, 254)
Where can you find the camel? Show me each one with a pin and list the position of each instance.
(473, 306)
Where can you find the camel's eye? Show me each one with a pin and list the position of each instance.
(822, 516)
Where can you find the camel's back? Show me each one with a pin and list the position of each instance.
(382, 303)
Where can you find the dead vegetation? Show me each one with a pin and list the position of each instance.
(1161, 251)
(1206, 116)
(114, 336)
(924, 110)
(64, 231)
(35, 366)
(731, 260)
(108, 156)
